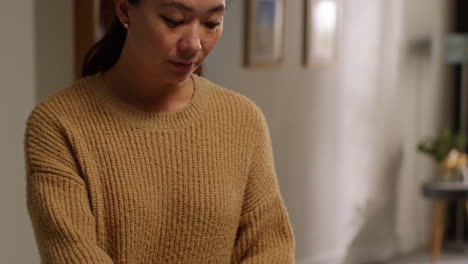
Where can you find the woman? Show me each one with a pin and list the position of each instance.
(141, 161)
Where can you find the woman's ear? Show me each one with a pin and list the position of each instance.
(121, 10)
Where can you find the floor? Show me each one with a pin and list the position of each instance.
(423, 258)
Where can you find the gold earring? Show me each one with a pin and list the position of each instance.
(125, 25)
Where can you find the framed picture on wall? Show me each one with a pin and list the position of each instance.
(264, 32)
(321, 31)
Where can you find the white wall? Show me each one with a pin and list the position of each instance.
(344, 136)
(36, 59)
(17, 74)
(54, 35)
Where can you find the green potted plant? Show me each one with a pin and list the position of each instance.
(448, 150)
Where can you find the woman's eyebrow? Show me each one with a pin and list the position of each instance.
(184, 7)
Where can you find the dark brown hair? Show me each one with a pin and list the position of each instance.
(106, 52)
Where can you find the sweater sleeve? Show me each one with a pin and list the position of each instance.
(264, 233)
(57, 197)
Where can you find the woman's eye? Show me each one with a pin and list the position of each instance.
(171, 22)
(212, 25)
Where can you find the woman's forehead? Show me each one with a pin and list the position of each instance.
(192, 5)
(191, 2)
(195, 7)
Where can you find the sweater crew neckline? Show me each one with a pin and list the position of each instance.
(161, 120)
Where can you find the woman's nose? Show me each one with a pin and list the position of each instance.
(190, 42)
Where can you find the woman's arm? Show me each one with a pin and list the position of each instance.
(57, 197)
(264, 234)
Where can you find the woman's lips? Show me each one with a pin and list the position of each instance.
(185, 66)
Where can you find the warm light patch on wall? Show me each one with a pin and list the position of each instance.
(321, 31)
(324, 29)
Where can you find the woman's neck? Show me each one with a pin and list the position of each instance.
(145, 93)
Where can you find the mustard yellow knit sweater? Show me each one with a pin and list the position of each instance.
(107, 183)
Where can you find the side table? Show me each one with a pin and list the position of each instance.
(442, 193)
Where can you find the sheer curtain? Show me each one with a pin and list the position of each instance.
(393, 93)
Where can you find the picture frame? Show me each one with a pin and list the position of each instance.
(322, 23)
(264, 45)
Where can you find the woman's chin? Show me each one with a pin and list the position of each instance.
(179, 77)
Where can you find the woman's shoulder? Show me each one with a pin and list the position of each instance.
(64, 103)
(228, 99)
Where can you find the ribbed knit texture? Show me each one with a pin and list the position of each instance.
(108, 183)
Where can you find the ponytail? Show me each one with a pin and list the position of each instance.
(106, 52)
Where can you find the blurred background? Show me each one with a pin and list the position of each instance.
(344, 133)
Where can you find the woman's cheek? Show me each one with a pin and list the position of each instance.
(211, 43)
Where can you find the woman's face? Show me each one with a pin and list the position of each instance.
(169, 39)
